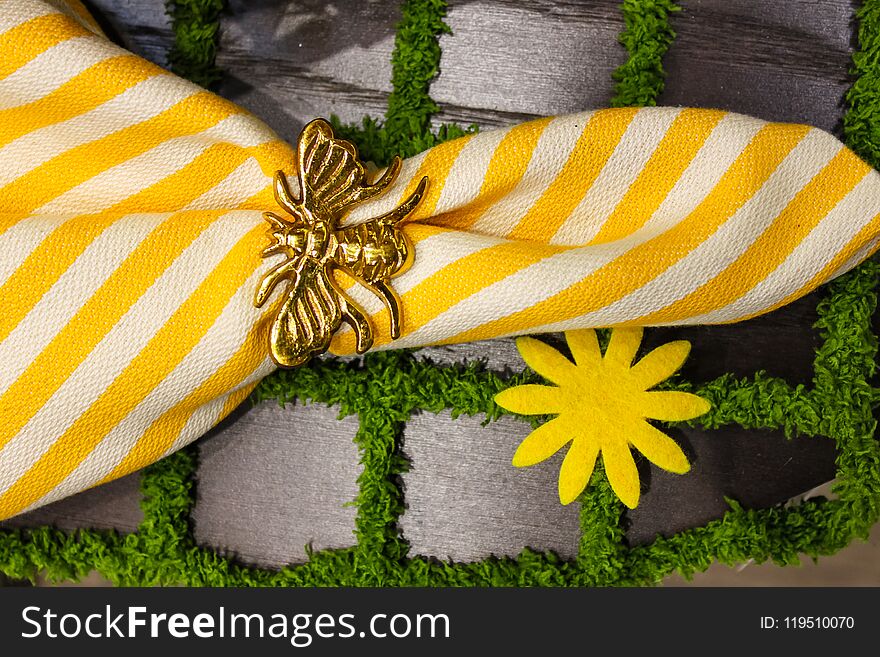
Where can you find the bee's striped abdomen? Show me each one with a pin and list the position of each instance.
(372, 250)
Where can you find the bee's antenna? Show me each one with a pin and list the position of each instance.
(400, 213)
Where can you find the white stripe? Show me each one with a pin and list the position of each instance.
(220, 343)
(19, 240)
(68, 11)
(18, 12)
(638, 143)
(139, 103)
(138, 173)
(243, 183)
(51, 69)
(122, 344)
(862, 254)
(70, 292)
(725, 144)
(469, 171)
(549, 157)
(727, 243)
(818, 248)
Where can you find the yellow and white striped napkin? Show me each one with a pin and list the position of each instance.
(131, 231)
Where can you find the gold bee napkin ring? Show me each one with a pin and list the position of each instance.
(332, 180)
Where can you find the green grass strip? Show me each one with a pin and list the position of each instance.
(415, 62)
(646, 38)
(414, 65)
(861, 124)
(196, 26)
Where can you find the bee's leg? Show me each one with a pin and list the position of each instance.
(391, 301)
(282, 193)
(354, 317)
(273, 277)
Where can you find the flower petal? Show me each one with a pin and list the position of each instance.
(543, 443)
(545, 360)
(577, 468)
(530, 400)
(621, 470)
(672, 406)
(623, 346)
(658, 448)
(584, 346)
(661, 363)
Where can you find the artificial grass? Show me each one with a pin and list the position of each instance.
(196, 26)
(415, 62)
(386, 388)
(647, 37)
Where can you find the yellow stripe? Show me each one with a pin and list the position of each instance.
(774, 245)
(673, 155)
(80, 10)
(9, 219)
(506, 169)
(446, 287)
(155, 362)
(45, 265)
(73, 344)
(162, 433)
(80, 94)
(596, 144)
(644, 262)
(76, 165)
(236, 398)
(436, 165)
(863, 237)
(24, 42)
(272, 156)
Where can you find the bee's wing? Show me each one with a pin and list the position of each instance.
(307, 320)
(331, 176)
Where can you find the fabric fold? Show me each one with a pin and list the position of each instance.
(131, 230)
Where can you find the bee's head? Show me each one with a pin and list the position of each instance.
(295, 240)
(286, 237)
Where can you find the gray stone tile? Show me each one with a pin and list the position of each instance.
(465, 501)
(758, 468)
(289, 62)
(499, 355)
(779, 61)
(272, 480)
(782, 343)
(527, 57)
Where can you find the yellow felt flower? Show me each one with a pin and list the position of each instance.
(602, 406)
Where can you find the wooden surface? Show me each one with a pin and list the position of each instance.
(273, 480)
(464, 499)
(141, 26)
(781, 61)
